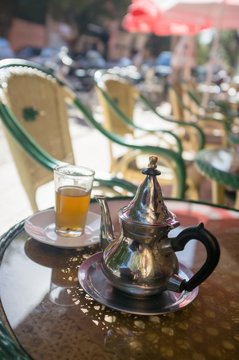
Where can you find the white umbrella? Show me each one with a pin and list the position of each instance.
(222, 14)
(218, 14)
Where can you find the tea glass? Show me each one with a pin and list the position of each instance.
(73, 185)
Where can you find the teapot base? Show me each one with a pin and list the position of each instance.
(130, 289)
(98, 286)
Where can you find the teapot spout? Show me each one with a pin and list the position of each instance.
(106, 228)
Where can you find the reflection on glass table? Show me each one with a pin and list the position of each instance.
(222, 167)
(48, 328)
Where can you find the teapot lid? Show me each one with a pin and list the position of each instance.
(148, 207)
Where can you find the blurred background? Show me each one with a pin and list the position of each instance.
(94, 35)
(74, 39)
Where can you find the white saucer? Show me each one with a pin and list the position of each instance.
(41, 227)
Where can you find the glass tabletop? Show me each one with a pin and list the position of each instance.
(53, 318)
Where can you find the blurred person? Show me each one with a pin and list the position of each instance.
(183, 59)
(137, 58)
(5, 49)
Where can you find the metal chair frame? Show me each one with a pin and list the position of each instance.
(35, 151)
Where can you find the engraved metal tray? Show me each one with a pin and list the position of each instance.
(96, 284)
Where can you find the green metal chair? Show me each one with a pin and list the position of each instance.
(26, 101)
(33, 110)
(215, 123)
(9, 349)
(118, 98)
(228, 122)
(221, 167)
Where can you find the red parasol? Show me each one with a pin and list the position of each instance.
(147, 16)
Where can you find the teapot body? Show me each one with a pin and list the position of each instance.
(142, 262)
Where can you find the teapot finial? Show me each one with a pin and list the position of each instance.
(148, 207)
(152, 167)
(153, 162)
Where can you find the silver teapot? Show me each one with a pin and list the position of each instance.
(141, 261)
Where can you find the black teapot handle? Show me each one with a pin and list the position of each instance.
(213, 253)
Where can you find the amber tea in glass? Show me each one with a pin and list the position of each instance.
(73, 186)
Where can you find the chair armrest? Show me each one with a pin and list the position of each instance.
(110, 181)
(130, 123)
(25, 140)
(222, 177)
(169, 154)
(42, 157)
(197, 116)
(201, 135)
